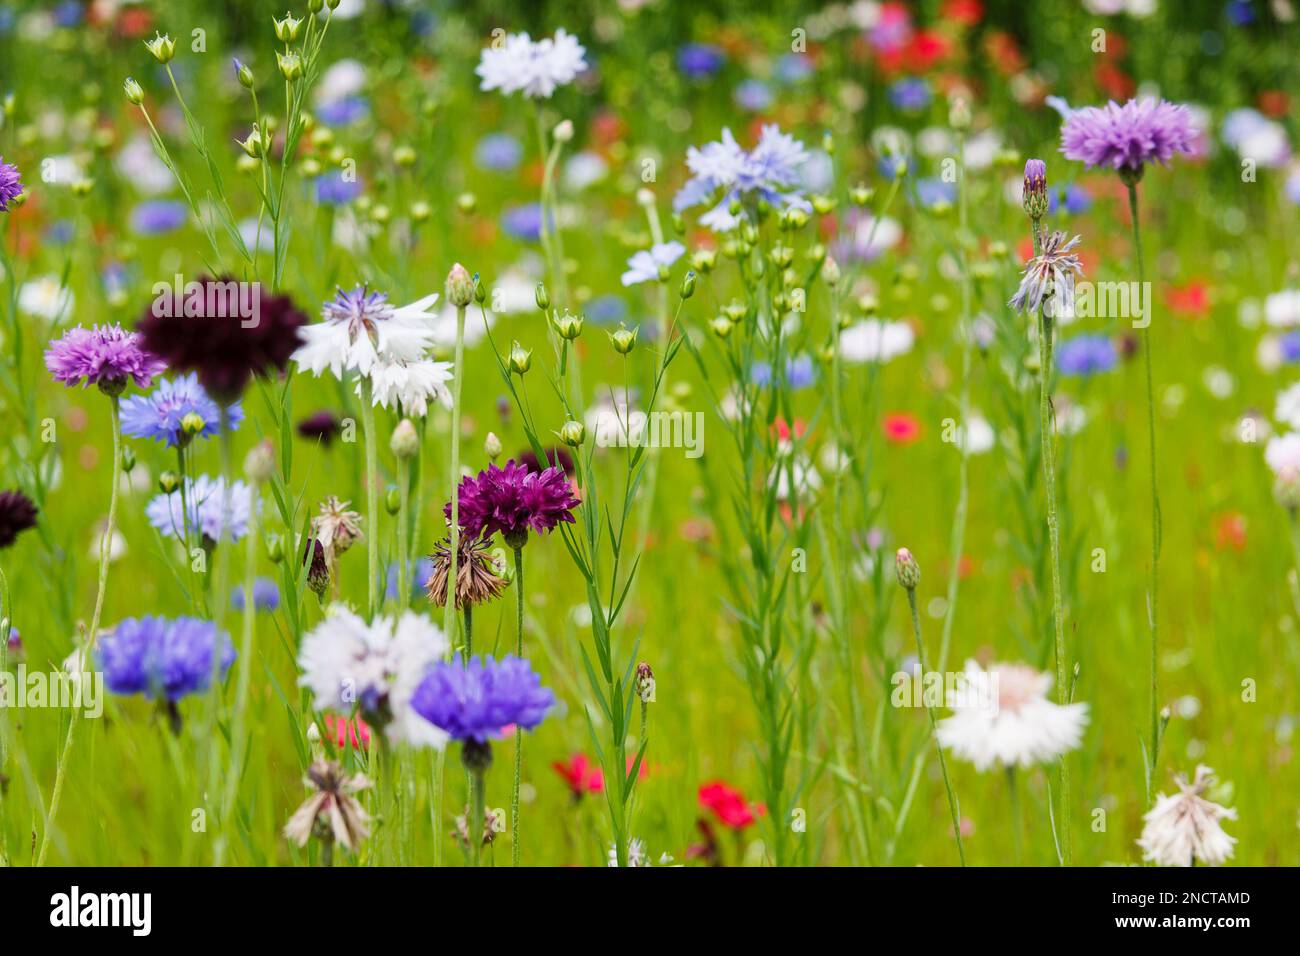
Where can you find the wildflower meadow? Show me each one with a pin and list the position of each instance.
(649, 434)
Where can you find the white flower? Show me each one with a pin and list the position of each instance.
(1002, 716)
(1287, 409)
(360, 329)
(982, 436)
(875, 341)
(140, 166)
(347, 663)
(1282, 309)
(343, 79)
(806, 479)
(534, 67)
(1282, 453)
(410, 385)
(584, 169)
(644, 266)
(636, 855)
(1184, 828)
(46, 298)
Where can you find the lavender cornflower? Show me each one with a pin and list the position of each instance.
(361, 329)
(266, 595)
(476, 701)
(158, 216)
(162, 414)
(161, 658)
(1086, 355)
(511, 500)
(11, 185)
(768, 172)
(698, 61)
(105, 355)
(498, 152)
(1049, 277)
(1126, 138)
(203, 501)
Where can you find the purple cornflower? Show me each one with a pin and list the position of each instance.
(1049, 277)
(1290, 346)
(498, 152)
(753, 95)
(11, 186)
(161, 658)
(523, 222)
(699, 61)
(17, 514)
(106, 355)
(1127, 137)
(511, 500)
(321, 426)
(343, 112)
(159, 415)
(476, 701)
(910, 94)
(266, 595)
(1086, 355)
(333, 190)
(155, 217)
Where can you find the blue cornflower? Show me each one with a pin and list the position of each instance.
(1240, 13)
(60, 232)
(498, 152)
(419, 581)
(266, 595)
(1086, 355)
(753, 95)
(161, 658)
(723, 169)
(333, 190)
(1290, 346)
(204, 504)
(475, 701)
(793, 68)
(154, 217)
(910, 94)
(606, 310)
(158, 415)
(645, 265)
(699, 61)
(799, 373)
(932, 192)
(889, 164)
(1075, 199)
(344, 111)
(523, 222)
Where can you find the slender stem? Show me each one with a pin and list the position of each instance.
(458, 379)
(1152, 593)
(477, 811)
(519, 735)
(403, 538)
(372, 494)
(1017, 820)
(105, 549)
(1054, 539)
(469, 632)
(934, 728)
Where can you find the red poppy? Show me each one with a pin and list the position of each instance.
(965, 12)
(729, 806)
(1230, 531)
(783, 431)
(580, 775)
(902, 428)
(353, 733)
(1274, 103)
(1192, 299)
(1113, 81)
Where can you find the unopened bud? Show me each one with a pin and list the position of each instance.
(688, 285)
(572, 433)
(908, 571)
(492, 446)
(259, 463)
(1034, 196)
(244, 75)
(568, 326)
(563, 131)
(624, 340)
(162, 47)
(168, 482)
(392, 501)
(134, 93)
(645, 683)
(460, 286)
(541, 297)
(405, 441)
(521, 359)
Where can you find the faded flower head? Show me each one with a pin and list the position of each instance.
(533, 67)
(476, 578)
(475, 701)
(160, 414)
(513, 499)
(336, 527)
(106, 355)
(1048, 279)
(1127, 137)
(1183, 829)
(163, 659)
(332, 811)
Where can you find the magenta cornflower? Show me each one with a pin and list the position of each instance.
(514, 499)
(11, 186)
(1128, 137)
(106, 355)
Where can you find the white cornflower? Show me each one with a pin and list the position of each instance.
(1002, 716)
(1282, 453)
(535, 67)
(347, 664)
(645, 266)
(1184, 829)
(1287, 410)
(362, 328)
(875, 341)
(982, 436)
(46, 298)
(1282, 309)
(410, 385)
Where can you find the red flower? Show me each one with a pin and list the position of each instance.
(353, 733)
(1192, 299)
(902, 428)
(783, 431)
(1274, 103)
(729, 806)
(580, 775)
(1230, 531)
(965, 12)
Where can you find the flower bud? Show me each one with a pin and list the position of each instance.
(274, 548)
(721, 326)
(392, 501)
(688, 285)
(128, 460)
(521, 359)
(82, 187)
(404, 156)
(572, 433)
(563, 131)
(1034, 197)
(162, 47)
(420, 211)
(286, 30)
(252, 145)
(645, 197)
(568, 326)
(259, 463)
(959, 117)
(244, 75)
(703, 260)
(492, 446)
(831, 271)
(168, 482)
(823, 204)
(290, 65)
(541, 298)
(480, 290)
(466, 203)
(1286, 489)
(460, 286)
(861, 194)
(645, 683)
(405, 442)
(134, 93)
(908, 571)
(624, 340)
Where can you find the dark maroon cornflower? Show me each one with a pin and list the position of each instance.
(106, 355)
(555, 458)
(226, 331)
(17, 514)
(321, 426)
(513, 499)
(11, 186)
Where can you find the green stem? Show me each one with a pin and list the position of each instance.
(934, 728)
(477, 811)
(1017, 820)
(403, 538)
(519, 735)
(105, 549)
(372, 494)
(458, 379)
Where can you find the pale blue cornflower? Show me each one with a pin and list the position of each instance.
(725, 172)
(649, 265)
(158, 415)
